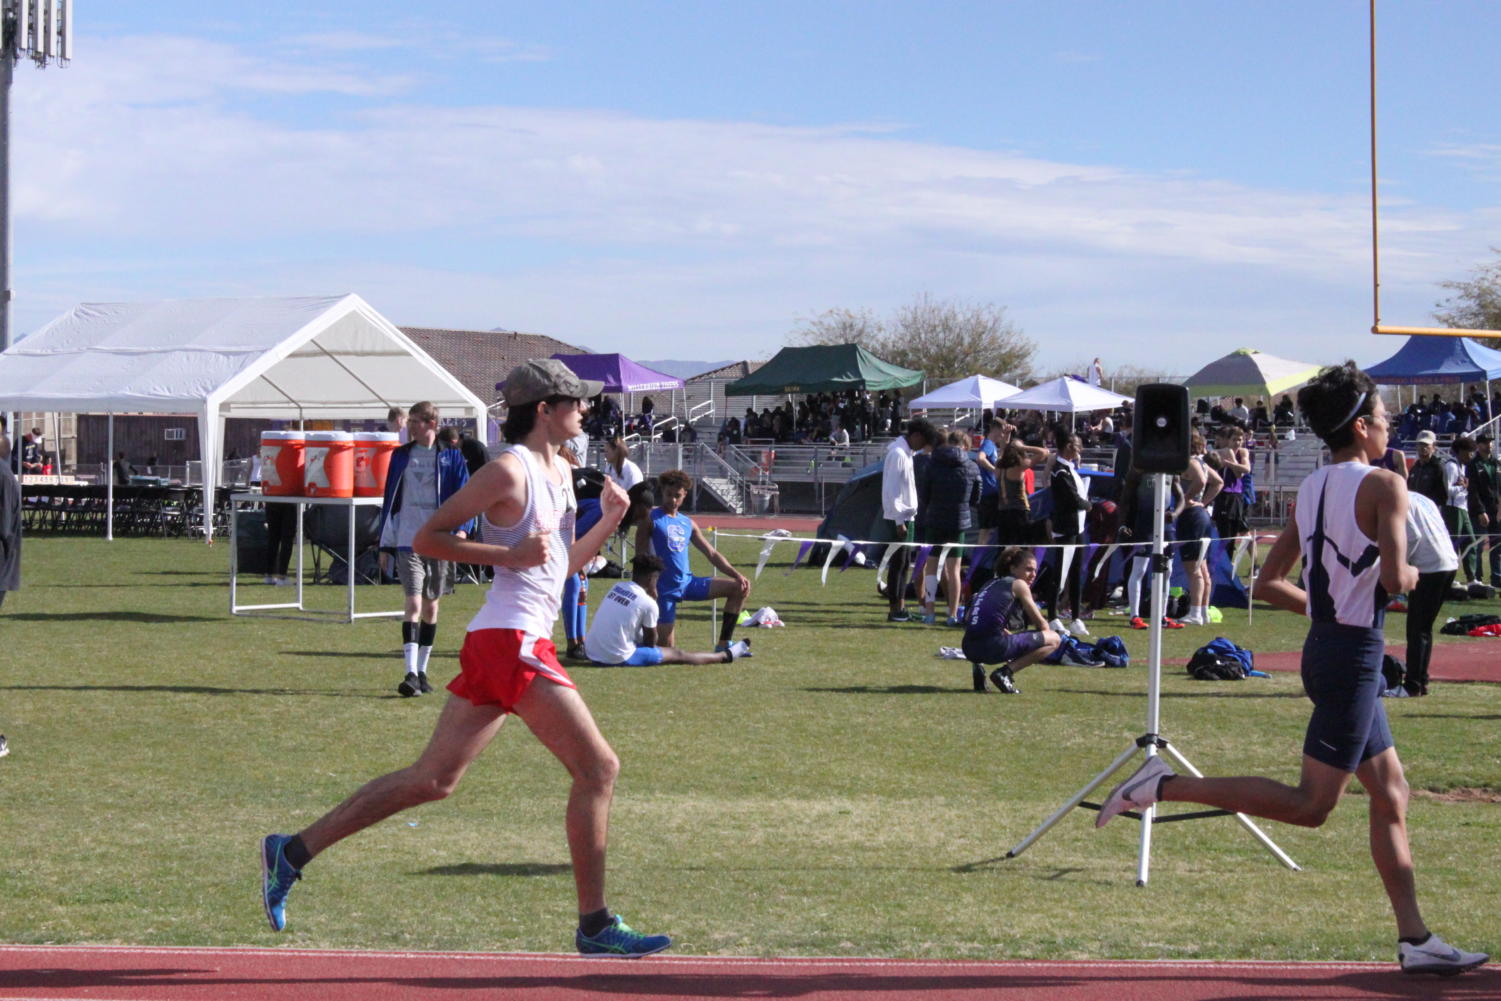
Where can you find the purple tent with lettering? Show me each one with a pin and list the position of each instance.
(619, 373)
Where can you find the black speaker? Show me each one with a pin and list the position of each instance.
(1159, 428)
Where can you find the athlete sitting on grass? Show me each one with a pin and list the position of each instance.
(624, 633)
(995, 630)
(1350, 531)
(667, 533)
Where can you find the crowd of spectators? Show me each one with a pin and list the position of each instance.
(1463, 415)
(834, 418)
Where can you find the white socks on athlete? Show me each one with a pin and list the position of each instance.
(1139, 566)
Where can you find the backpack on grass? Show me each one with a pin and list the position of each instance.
(1221, 660)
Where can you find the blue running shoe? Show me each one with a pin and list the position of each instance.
(620, 939)
(277, 877)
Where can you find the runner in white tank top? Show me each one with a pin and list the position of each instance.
(528, 598)
(508, 664)
(1350, 532)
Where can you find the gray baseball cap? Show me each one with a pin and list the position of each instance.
(536, 380)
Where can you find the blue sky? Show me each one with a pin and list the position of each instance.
(1157, 183)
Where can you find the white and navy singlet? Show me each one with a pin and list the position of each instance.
(1341, 564)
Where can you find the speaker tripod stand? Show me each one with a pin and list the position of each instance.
(1152, 742)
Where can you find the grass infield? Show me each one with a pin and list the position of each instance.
(841, 793)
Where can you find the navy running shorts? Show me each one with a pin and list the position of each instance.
(1342, 676)
(1000, 648)
(1194, 527)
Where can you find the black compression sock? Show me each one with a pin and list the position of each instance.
(296, 852)
(594, 923)
(426, 631)
(408, 632)
(1416, 941)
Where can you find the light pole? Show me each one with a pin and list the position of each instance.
(41, 30)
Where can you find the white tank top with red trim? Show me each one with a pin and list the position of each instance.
(528, 599)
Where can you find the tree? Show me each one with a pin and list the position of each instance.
(840, 326)
(946, 338)
(1476, 303)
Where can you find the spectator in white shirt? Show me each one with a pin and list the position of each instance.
(898, 508)
(618, 464)
(1432, 553)
(624, 631)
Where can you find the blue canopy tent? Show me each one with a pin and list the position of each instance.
(1426, 359)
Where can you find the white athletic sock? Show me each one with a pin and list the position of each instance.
(409, 651)
(930, 589)
(423, 652)
(1133, 585)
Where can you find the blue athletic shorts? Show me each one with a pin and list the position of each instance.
(642, 656)
(998, 648)
(697, 589)
(1342, 676)
(1193, 527)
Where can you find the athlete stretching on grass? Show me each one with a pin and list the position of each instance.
(1350, 531)
(507, 664)
(667, 533)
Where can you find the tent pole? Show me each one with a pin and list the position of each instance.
(208, 435)
(109, 478)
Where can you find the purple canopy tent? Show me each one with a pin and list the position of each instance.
(620, 375)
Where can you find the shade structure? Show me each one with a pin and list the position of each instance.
(280, 358)
(1064, 395)
(823, 368)
(974, 391)
(1426, 359)
(619, 373)
(1248, 372)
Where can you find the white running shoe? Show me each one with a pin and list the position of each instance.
(740, 648)
(1437, 957)
(1058, 627)
(1078, 628)
(1137, 792)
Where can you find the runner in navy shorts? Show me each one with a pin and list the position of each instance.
(1349, 535)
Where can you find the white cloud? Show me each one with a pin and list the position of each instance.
(440, 43)
(709, 231)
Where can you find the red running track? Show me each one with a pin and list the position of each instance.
(123, 973)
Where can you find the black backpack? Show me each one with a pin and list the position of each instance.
(1207, 666)
(1393, 671)
(1462, 625)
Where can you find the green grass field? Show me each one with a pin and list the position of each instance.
(842, 793)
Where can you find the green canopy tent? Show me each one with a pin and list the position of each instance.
(823, 368)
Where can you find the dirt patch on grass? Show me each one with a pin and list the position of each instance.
(1462, 794)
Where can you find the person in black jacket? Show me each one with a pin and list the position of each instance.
(10, 532)
(948, 485)
(1070, 506)
(1426, 476)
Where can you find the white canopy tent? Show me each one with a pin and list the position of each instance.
(285, 359)
(975, 391)
(1064, 395)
